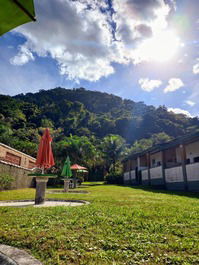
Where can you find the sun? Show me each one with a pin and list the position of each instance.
(161, 47)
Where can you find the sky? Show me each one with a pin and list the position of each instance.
(144, 50)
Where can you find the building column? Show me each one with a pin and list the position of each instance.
(130, 172)
(138, 170)
(149, 165)
(163, 167)
(184, 171)
(138, 162)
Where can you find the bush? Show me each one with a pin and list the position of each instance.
(114, 178)
(5, 181)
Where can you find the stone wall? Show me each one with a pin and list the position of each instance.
(20, 175)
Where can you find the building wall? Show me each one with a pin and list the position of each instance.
(156, 176)
(14, 156)
(133, 177)
(126, 177)
(145, 177)
(142, 168)
(20, 175)
(174, 178)
(133, 163)
(178, 155)
(156, 172)
(192, 150)
(174, 174)
(193, 176)
(157, 157)
(192, 172)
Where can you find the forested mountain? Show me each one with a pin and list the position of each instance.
(85, 120)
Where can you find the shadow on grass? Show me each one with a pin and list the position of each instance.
(169, 192)
(91, 184)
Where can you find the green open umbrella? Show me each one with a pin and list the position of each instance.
(66, 171)
(14, 13)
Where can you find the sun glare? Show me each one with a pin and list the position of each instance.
(161, 47)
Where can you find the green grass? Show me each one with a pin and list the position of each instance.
(122, 225)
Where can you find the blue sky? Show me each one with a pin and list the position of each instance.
(144, 50)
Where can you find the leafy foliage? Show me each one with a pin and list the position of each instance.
(5, 181)
(94, 128)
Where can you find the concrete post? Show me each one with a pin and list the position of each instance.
(138, 171)
(149, 165)
(184, 171)
(138, 162)
(129, 168)
(163, 167)
(40, 190)
(66, 185)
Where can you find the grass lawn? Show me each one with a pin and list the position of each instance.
(122, 225)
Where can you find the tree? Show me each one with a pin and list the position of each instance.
(113, 147)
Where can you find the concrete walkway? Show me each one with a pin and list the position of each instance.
(47, 203)
(14, 256)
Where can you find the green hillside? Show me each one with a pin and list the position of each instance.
(82, 121)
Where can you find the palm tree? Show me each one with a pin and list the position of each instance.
(113, 147)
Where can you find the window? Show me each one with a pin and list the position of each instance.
(196, 159)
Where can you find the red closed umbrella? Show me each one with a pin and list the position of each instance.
(45, 157)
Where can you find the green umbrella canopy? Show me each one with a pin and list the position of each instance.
(14, 13)
(66, 171)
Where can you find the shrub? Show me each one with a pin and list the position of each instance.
(114, 178)
(5, 181)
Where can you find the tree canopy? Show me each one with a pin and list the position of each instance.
(96, 129)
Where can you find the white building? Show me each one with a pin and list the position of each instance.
(173, 165)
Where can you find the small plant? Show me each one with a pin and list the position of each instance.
(5, 181)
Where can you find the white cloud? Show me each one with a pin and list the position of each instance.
(196, 68)
(149, 85)
(80, 38)
(24, 56)
(180, 111)
(190, 103)
(174, 84)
